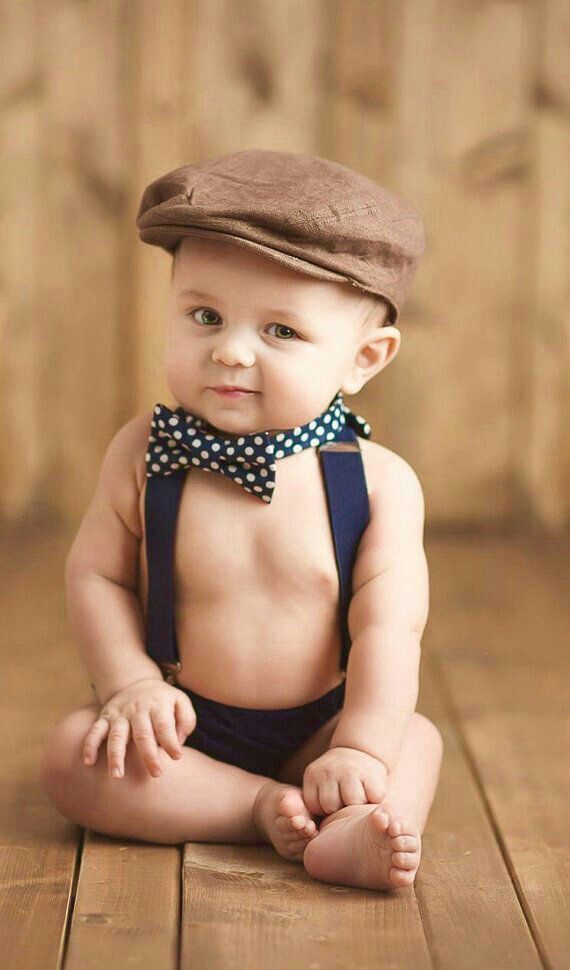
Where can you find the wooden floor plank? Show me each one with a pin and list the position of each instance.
(494, 597)
(37, 865)
(516, 721)
(501, 631)
(246, 906)
(127, 910)
(38, 847)
(472, 917)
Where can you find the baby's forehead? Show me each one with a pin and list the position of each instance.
(218, 270)
(265, 288)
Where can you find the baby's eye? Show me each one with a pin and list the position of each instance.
(204, 310)
(207, 320)
(283, 327)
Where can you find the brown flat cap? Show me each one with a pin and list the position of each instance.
(313, 215)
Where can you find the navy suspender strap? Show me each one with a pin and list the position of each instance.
(162, 501)
(347, 500)
(349, 512)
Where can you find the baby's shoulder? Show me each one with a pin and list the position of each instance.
(129, 445)
(389, 476)
(139, 429)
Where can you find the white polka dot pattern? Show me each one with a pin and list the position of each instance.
(180, 439)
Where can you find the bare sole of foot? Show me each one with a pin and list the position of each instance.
(281, 815)
(366, 848)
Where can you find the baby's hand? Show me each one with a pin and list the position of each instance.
(343, 776)
(148, 707)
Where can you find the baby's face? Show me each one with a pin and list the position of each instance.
(236, 317)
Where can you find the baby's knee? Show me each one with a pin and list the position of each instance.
(63, 744)
(429, 730)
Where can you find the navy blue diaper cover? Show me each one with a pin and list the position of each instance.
(258, 740)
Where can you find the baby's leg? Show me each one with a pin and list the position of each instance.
(195, 799)
(378, 846)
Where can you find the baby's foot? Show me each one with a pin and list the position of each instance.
(283, 819)
(365, 848)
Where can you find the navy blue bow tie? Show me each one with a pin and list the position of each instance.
(179, 439)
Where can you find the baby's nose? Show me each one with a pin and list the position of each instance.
(232, 351)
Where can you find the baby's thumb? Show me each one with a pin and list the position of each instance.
(185, 720)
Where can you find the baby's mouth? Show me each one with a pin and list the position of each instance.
(232, 392)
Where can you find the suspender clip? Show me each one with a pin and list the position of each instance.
(339, 446)
(169, 670)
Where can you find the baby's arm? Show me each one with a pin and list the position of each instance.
(101, 571)
(387, 616)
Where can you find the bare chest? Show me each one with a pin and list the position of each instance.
(237, 542)
(256, 588)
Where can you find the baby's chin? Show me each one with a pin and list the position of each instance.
(226, 432)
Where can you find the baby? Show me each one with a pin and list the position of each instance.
(249, 586)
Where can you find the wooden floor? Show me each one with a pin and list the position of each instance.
(493, 887)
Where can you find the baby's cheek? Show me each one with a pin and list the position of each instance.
(180, 378)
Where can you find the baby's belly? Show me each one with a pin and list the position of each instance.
(257, 652)
(257, 594)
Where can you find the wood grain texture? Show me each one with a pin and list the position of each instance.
(127, 905)
(162, 96)
(470, 910)
(39, 849)
(463, 109)
(544, 439)
(516, 724)
(500, 631)
(23, 344)
(81, 252)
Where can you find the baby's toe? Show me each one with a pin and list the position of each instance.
(303, 825)
(298, 821)
(291, 803)
(395, 828)
(405, 860)
(291, 835)
(283, 824)
(402, 877)
(380, 820)
(298, 826)
(402, 827)
(405, 843)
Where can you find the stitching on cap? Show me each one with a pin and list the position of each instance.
(323, 214)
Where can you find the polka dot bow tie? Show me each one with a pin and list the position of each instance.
(179, 439)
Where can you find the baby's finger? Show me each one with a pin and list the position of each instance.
(143, 736)
(117, 745)
(165, 731)
(310, 797)
(376, 789)
(97, 733)
(352, 791)
(329, 796)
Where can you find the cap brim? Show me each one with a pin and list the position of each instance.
(168, 237)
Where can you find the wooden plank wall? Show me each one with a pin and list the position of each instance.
(463, 108)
